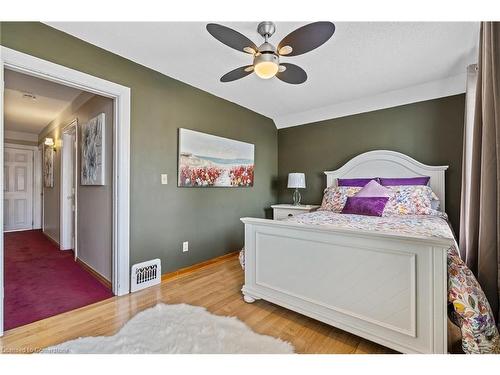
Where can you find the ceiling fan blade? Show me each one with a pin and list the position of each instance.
(306, 38)
(292, 74)
(237, 73)
(231, 38)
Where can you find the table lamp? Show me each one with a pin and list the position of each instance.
(296, 181)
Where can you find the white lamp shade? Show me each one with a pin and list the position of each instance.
(297, 180)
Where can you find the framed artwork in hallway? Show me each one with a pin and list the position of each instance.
(92, 170)
(207, 160)
(48, 166)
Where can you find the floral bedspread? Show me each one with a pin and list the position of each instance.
(417, 225)
(471, 310)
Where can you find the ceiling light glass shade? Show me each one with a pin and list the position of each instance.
(266, 65)
(266, 69)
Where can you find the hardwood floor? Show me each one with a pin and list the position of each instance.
(215, 286)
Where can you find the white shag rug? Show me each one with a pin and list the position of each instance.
(178, 329)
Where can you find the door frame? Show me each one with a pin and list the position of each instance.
(27, 64)
(37, 183)
(72, 127)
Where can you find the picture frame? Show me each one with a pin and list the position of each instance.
(48, 166)
(92, 170)
(206, 160)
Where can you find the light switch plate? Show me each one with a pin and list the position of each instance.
(164, 179)
(185, 246)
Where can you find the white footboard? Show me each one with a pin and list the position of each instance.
(386, 288)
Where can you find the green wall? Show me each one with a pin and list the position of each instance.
(430, 131)
(162, 216)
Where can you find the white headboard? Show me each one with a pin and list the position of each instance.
(384, 163)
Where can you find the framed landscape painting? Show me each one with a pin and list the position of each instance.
(207, 160)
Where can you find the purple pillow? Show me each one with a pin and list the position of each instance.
(369, 206)
(374, 189)
(354, 181)
(404, 181)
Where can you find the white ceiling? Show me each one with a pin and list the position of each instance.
(365, 66)
(31, 116)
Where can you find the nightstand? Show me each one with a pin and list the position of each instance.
(283, 211)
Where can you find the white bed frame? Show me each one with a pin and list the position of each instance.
(385, 287)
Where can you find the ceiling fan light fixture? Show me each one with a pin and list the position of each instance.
(249, 50)
(285, 50)
(266, 57)
(266, 65)
(266, 69)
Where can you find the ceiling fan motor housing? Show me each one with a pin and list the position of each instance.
(266, 52)
(266, 57)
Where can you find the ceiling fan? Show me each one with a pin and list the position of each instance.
(266, 57)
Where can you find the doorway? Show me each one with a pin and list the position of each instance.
(120, 95)
(18, 189)
(43, 276)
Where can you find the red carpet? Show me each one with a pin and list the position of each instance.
(42, 281)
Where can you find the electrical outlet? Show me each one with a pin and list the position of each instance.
(185, 246)
(164, 179)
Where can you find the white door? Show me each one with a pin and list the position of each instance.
(18, 189)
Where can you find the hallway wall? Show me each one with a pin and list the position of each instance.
(95, 203)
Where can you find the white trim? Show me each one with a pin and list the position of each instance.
(305, 207)
(21, 147)
(20, 136)
(1, 190)
(431, 90)
(385, 163)
(37, 182)
(34, 66)
(42, 200)
(64, 243)
(37, 188)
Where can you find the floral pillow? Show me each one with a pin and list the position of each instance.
(472, 312)
(334, 197)
(410, 200)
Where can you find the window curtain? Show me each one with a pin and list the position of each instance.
(470, 105)
(480, 213)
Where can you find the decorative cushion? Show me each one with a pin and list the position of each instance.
(374, 189)
(334, 197)
(404, 181)
(360, 182)
(410, 200)
(435, 202)
(369, 206)
(472, 312)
